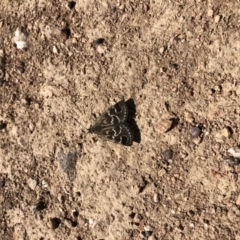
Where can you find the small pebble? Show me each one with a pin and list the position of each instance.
(197, 140)
(210, 13)
(20, 38)
(44, 184)
(189, 117)
(235, 152)
(161, 50)
(32, 183)
(164, 126)
(55, 50)
(195, 131)
(162, 172)
(74, 41)
(168, 154)
(217, 18)
(147, 231)
(191, 225)
(101, 49)
(156, 197)
(31, 126)
(226, 132)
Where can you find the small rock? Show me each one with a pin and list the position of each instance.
(20, 38)
(210, 13)
(101, 49)
(161, 50)
(55, 50)
(191, 225)
(197, 140)
(44, 184)
(189, 117)
(147, 231)
(195, 131)
(32, 183)
(162, 172)
(168, 154)
(156, 197)
(74, 41)
(235, 152)
(217, 18)
(226, 132)
(92, 223)
(31, 126)
(164, 126)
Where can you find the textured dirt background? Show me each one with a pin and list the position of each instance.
(177, 60)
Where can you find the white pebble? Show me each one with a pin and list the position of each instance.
(20, 39)
(44, 184)
(32, 183)
(235, 152)
(55, 50)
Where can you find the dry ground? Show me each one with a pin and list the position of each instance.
(177, 60)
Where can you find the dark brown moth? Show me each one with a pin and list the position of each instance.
(112, 125)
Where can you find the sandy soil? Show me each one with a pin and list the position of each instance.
(178, 61)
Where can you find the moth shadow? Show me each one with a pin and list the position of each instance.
(131, 121)
(175, 122)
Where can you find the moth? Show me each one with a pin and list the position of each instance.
(112, 125)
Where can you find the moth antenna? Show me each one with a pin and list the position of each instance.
(81, 124)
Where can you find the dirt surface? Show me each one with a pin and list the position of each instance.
(178, 61)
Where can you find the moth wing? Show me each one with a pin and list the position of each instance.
(118, 133)
(117, 113)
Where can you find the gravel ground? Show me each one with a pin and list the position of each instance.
(62, 63)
